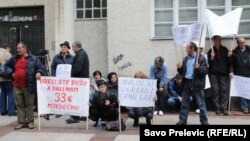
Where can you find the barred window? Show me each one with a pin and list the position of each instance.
(91, 9)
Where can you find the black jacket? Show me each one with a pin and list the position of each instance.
(240, 63)
(80, 66)
(220, 64)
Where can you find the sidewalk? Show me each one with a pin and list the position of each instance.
(56, 129)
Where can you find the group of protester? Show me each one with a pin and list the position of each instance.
(220, 65)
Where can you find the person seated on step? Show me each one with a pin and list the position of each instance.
(174, 97)
(104, 104)
(137, 112)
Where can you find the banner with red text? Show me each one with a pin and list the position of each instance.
(65, 96)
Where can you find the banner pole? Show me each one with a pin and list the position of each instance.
(175, 46)
(119, 120)
(87, 123)
(182, 52)
(229, 102)
(198, 52)
(233, 43)
(39, 122)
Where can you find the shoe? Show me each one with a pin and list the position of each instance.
(181, 123)
(83, 118)
(45, 117)
(136, 123)
(205, 123)
(225, 113)
(160, 113)
(58, 116)
(217, 112)
(4, 113)
(12, 114)
(155, 113)
(71, 120)
(197, 111)
(148, 122)
(20, 126)
(31, 125)
(245, 111)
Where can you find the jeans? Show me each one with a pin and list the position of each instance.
(159, 102)
(244, 103)
(7, 102)
(200, 100)
(173, 103)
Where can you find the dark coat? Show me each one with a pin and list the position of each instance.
(99, 100)
(199, 74)
(80, 66)
(34, 66)
(238, 66)
(58, 59)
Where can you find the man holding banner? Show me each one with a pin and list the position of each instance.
(240, 66)
(218, 61)
(194, 74)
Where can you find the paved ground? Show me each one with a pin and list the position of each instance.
(56, 129)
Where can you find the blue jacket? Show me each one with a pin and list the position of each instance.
(174, 90)
(160, 75)
(34, 65)
(58, 59)
(199, 74)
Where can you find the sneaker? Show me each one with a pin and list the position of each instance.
(245, 111)
(197, 111)
(155, 113)
(181, 123)
(160, 113)
(31, 125)
(20, 126)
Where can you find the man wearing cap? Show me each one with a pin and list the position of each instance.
(64, 57)
(80, 69)
(194, 73)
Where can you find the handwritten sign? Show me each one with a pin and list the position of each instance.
(240, 87)
(224, 25)
(184, 34)
(63, 70)
(136, 92)
(66, 96)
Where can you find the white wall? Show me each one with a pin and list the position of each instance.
(129, 30)
(93, 36)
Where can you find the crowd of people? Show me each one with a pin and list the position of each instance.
(18, 90)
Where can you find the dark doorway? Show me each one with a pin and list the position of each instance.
(23, 24)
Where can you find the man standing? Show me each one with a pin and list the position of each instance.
(64, 57)
(26, 69)
(194, 83)
(158, 71)
(218, 61)
(80, 69)
(241, 66)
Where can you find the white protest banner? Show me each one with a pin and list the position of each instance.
(184, 34)
(64, 96)
(136, 92)
(207, 84)
(63, 70)
(240, 87)
(224, 25)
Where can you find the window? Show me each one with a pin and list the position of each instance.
(91, 9)
(167, 13)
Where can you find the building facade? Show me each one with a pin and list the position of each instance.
(119, 35)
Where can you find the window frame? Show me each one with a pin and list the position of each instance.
(101, 8)
(201, 9)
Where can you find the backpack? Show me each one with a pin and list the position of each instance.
(114, 126)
